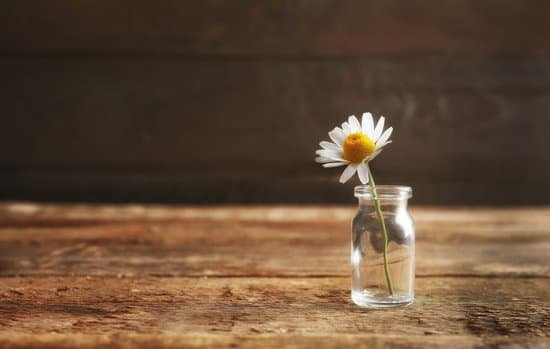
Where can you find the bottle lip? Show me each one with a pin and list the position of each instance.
(395, 192)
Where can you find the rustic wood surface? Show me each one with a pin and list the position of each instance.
(268, 28)
(224, 101)
(166, 276)
(216, 130)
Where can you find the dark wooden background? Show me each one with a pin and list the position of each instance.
(224, 101)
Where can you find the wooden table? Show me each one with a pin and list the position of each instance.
(162, 277)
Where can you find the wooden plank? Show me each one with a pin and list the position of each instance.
(156, 240)
(137, 128)
(272, 27)
(265, 258)
(177, 186)
(75, 306)
(139, 112)
(492, 288)
(480, 222)
(59, 340)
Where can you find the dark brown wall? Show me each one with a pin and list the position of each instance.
(224, 101)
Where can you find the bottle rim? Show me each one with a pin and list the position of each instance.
(387, 192)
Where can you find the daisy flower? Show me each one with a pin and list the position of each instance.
(354, 145)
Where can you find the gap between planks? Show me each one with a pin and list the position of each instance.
(272, 276)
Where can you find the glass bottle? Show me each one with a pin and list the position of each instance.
(382, 247)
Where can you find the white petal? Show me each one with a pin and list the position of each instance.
(329, 154)
(340, 133)
(348, 173)
(322, 159)
(381, 145)
(327, 158)
(363, 172)
(379, 128)
(385, 135)
(375, 154)
(330, 146)
(347, 128)
(354, 124)
(334, 164)
(337, 136)
(368, 125)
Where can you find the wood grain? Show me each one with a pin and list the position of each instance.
(272, 27)
(140, 128)
(137, 112)
(120, 101)
(55, 341)
(255, 306)
(106, 240)
(169, 276)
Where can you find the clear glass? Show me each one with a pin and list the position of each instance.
(377, 281)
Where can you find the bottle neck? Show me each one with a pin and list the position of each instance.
(386, 204)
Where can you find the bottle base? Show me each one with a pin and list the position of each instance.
(377, 300)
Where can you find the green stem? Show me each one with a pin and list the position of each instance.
(384, 231)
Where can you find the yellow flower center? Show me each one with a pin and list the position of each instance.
(357, 146)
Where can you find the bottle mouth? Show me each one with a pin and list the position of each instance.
(387, 192)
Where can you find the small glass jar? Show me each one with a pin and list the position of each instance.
(382, 247)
